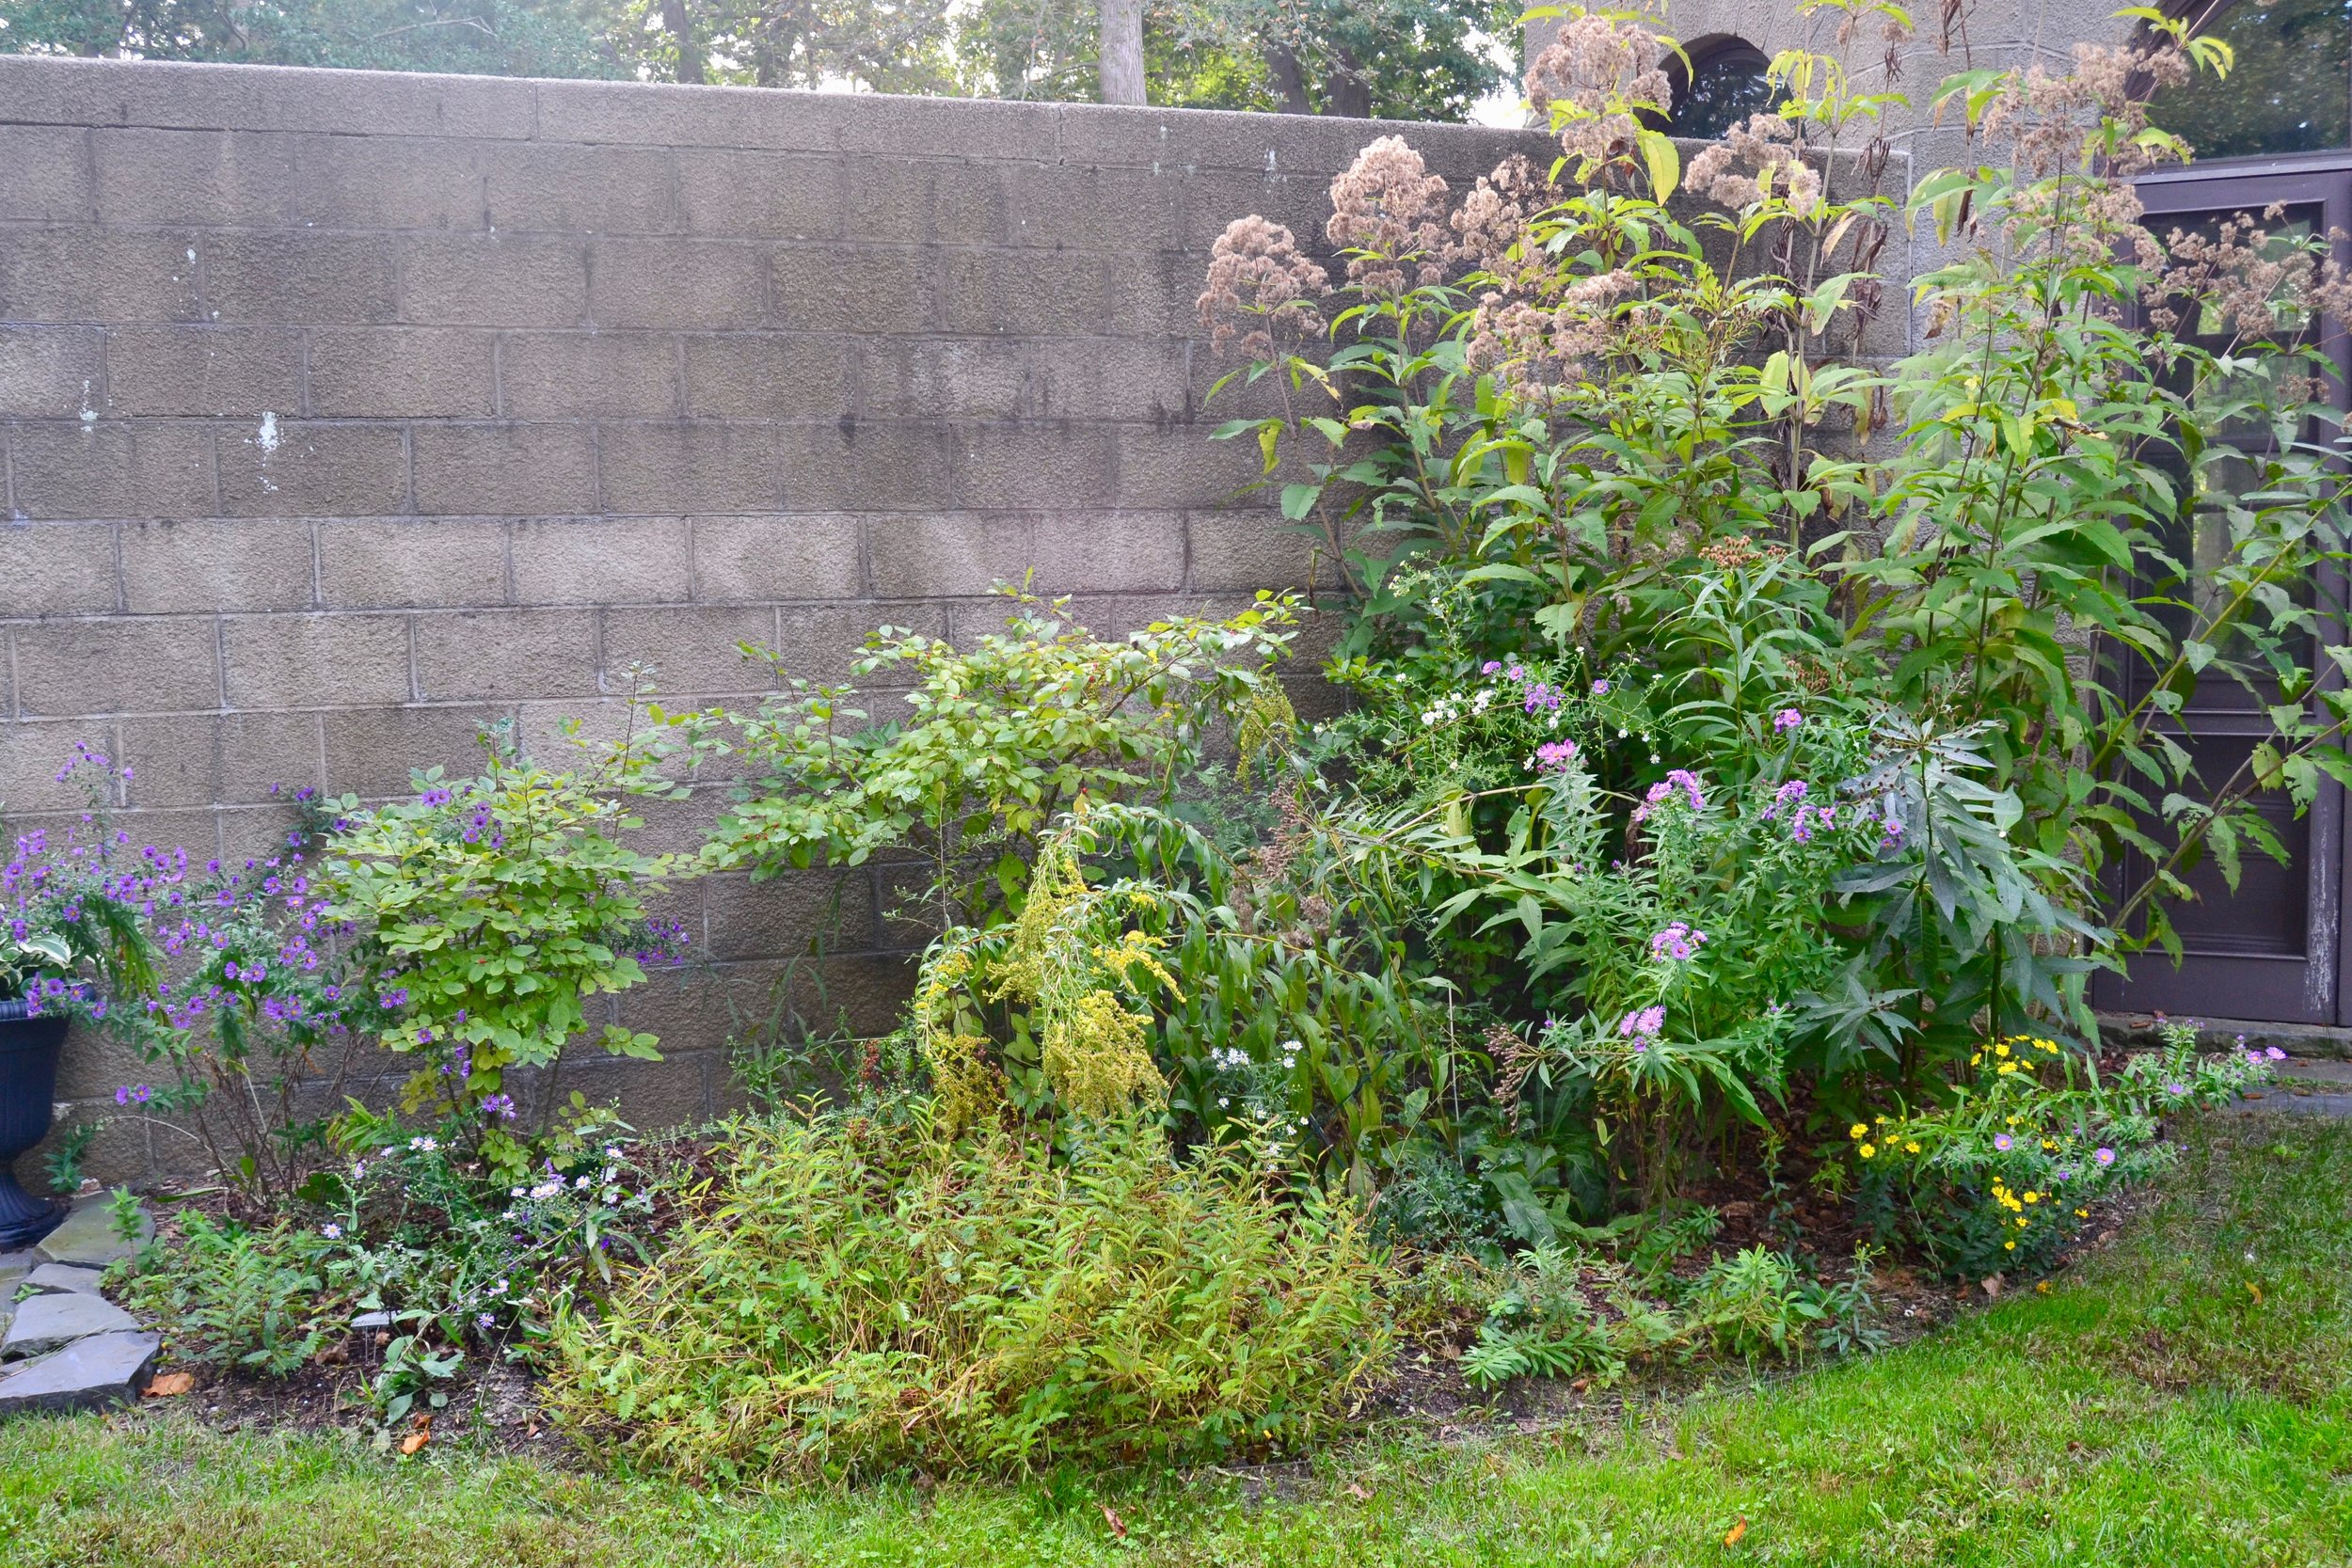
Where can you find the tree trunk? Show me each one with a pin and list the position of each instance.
(1122, 51)
(1281, 64)
(1347, 87)
(690, 55)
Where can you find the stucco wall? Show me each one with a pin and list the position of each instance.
(347, 411)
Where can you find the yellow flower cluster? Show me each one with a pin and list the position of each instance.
(2009, 1055)
(2015, 1203)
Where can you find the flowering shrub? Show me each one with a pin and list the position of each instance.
(1707, 746)
(2005, 1174)
(72, 936)
(485, 912)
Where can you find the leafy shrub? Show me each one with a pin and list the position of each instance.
(234, 1294)
(850, 1296)
(1004, 735)
(488, 912)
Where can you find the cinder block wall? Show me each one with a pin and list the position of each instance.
(344, 412)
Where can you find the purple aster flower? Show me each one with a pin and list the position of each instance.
(2274, 1053)
(1490, 667)
(2176, 1088)
(1553, 756)
(1600, 688)
(2104, 1156)
(2003, 1142)
(1787, 718)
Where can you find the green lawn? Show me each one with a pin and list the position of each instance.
(2150, 1409)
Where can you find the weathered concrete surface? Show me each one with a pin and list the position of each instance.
(341, 413)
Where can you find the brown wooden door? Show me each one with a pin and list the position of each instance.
(2271, 950)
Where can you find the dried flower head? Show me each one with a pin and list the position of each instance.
(1594, 79)
(1757, 159)
(1262, 288)
(1386, 213)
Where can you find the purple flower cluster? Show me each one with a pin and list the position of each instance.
(1676, 942)
(1641, 1027)
(1787, 718)
(1663, 791)
(1553, 756)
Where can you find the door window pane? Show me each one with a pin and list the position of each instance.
(2291, 91)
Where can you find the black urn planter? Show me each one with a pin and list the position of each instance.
(29, 1047)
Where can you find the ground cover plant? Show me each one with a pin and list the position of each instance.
(2099, 1421)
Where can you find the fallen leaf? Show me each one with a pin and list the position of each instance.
(2253, 1289)
(1993, 1284)
(170, 1385)
(1356, 1490)
(414, 1441)
(1110, 1517)
(1731, 1536)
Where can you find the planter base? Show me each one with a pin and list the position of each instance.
(23, 1218)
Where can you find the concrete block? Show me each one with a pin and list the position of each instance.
(953, 128)
(569, 375)
(760, 195)
(87, 275)
(780, 917)
(670, 469)
(38, 751)
(1084, 207)
(914, 556)
(402, 372)
(219, 758)
(653, 1096)
(388, 562)
(56, 568)
(908, 200)
(287, 661)
(819, 641)
(505, 280)
(1037, 378)
(767, 377)
(50, 176)
(298, 276)
(505, 468)
(677, 283)
(1174, 467)
(601, 561)
(1021, 292)
(147, 177)
(538, 187)
(249, 835)
(411, 182)
(690, 647)
(689, 116)
(844, 289)
(1033, 466)
(308, 468)
(105, 469)
(371, 751)
(49, 90)
(175, 566)
(868, 465)
(1244, 548)
(1210, 199)
(51, 373)
(1156, 295)
(766, 558)
(202, 370)
(470, 656)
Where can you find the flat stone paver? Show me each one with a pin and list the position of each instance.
(104, 1370)
(15, 1266)
(57, 1278)
(87, 1236)
(48, 1322)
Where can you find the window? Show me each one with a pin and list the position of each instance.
(1723, 85)
(2291, 91)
